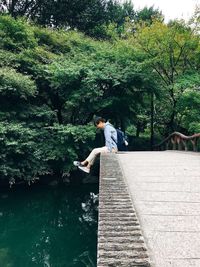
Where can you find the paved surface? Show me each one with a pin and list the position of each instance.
(120, 240)
(165, 190)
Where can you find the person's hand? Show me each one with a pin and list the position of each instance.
(126, 143)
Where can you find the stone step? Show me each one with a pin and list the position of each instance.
(131, 254)
(133, 246)
(111, 216)
(119, 228)
(119, 206)
(119, 234)
(121, 239)
(119, 224)
(124, 263)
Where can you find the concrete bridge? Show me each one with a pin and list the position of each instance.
(149, 210)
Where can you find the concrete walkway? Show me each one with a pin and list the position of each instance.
(165, 189)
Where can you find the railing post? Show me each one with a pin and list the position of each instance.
(167, 145)
(185, 145)
(194, 144)
(173, 143)
(179, 143)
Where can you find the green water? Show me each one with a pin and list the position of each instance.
(49, 227)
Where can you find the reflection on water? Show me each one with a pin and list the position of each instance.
(49, 227)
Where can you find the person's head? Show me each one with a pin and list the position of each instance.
(99, 122)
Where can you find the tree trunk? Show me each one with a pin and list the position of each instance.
(138, 129)
(59, 116)
(152, 120)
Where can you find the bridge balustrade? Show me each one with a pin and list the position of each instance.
(179, 141)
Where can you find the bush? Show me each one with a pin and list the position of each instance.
(29, 153)
(15, 35)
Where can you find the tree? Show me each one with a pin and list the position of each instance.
(149, 15)
(171, 51)
(88, 16)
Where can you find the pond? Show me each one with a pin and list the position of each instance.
(49, 227)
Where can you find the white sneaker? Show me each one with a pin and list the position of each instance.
(84, 169)
(77, 163)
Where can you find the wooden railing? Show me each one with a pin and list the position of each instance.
(179, 141)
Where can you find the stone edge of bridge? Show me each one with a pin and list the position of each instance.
(120, 239)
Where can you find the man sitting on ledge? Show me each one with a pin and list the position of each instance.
(110, 134)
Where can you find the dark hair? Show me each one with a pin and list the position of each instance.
(97, 120)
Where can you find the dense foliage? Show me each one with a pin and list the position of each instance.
(53, 82)
(172, 52)
(89, 16)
